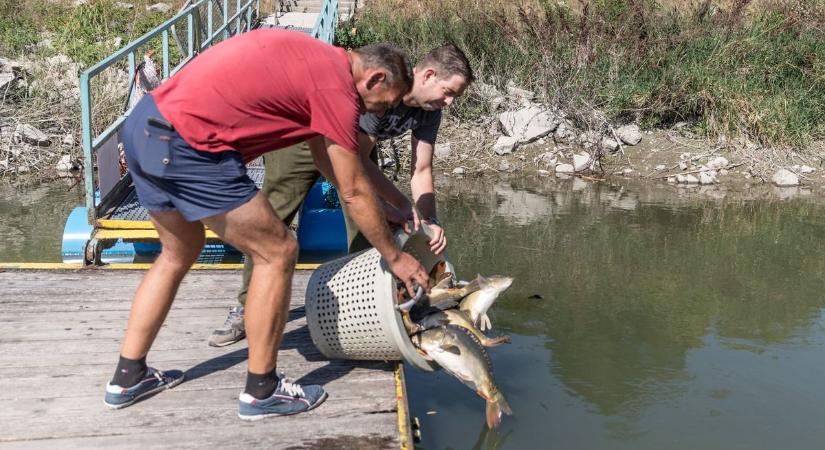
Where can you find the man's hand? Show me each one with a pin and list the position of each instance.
(407, 269)
(439, 242)
(398, 218)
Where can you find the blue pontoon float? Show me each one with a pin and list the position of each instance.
(112, 226)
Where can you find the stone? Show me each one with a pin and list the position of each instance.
(629, 134)
(77, 3)
(505, 145)
(806, 170)
(690, 179)
(543, 173)
(59, 60)
(565, 168)
(723, 172)
(496, 102)
(565, 132)
(546, 159)
(159, 7)
(442, 150)
(517, 92)
(671, 179)
(784, 177)
(23, 169)
(660, 167)
(528, 124)
(718, 162)
(503, 166)
(123, 5)
(6, 78)
(582, 161)
(609, 144)
(683, 165)
(681, 178)
(32, 135)
(627, 171)
(459, 171)
(68, 140)
(708, 177)
(65, 165)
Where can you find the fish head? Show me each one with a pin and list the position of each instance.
(495, 283)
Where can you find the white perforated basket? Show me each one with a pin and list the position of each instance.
(350, 306)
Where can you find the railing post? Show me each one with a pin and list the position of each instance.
(209, 20)
(237, 19)
(165, 51)
(86, 140)
(226, 19)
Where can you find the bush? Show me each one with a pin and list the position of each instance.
(754, 70)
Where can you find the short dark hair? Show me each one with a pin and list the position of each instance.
(390, 58)
(449, 60)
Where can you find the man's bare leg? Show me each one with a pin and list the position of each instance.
(181, 243)
(254, 229)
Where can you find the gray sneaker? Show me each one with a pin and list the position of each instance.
(289, 398)
(232, 331)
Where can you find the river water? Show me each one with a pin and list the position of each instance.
(642, 317)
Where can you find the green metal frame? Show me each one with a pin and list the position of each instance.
(199, 37)
(238, 22)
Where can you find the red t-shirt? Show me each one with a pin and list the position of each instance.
(261, 91)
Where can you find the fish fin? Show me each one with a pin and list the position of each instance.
(485, 322)
(496, 341)
(451, 348)
(444, 281)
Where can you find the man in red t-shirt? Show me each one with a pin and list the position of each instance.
(186, 145)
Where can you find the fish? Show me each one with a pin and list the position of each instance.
(478, 302)
(460, 318)
(444, 296)
(460, 353)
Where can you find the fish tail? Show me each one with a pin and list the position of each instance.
(495, 407)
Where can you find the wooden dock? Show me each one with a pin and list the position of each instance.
(60, 333)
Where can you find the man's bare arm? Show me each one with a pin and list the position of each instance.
(346, 171)
(421, 177)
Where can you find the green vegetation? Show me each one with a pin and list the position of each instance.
(85, 33)
(738, 69)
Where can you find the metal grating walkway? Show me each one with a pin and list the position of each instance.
(130, 208)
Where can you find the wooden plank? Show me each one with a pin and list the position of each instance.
(60, 332)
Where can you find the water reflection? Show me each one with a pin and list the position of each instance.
(32, 219)
(647, 291)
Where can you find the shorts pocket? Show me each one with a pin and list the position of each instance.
(156, 157)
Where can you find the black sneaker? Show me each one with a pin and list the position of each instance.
(233, 329)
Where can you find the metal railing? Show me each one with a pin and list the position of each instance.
(324, 28)
(206, 23)
(221, 22)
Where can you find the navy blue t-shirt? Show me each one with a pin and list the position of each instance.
(398, 120)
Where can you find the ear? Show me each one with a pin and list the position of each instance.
(429, 73)
(375, 79)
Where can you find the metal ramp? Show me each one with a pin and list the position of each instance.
(112, 221)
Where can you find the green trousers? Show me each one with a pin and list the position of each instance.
(289, 174)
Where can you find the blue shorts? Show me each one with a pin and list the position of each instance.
(169, 174)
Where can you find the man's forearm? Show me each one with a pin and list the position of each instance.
(367, 212)
(385, 188)
(423, 193)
